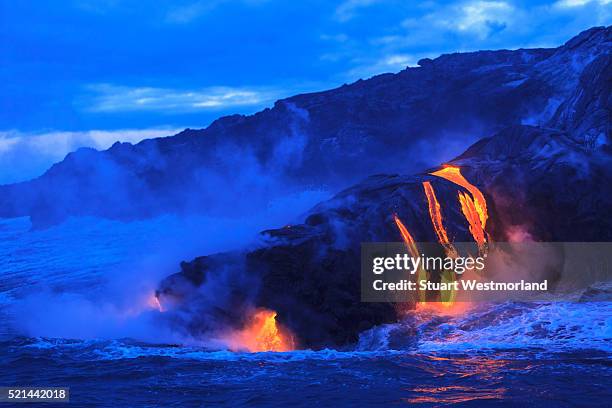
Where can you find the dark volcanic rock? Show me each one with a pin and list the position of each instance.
(390, 123)
(310, 273)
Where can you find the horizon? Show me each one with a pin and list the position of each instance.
(62, 96)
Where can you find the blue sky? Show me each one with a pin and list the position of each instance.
(88, 72)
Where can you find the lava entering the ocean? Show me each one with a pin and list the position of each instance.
(262, 333)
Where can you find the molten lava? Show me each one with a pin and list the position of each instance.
(444, 308)
(474, 209)
(453, 174)
(408, 240)
(421, 273)
(468, 208)
(435, 214)
(262, 333)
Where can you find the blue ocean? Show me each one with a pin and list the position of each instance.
(76, 311)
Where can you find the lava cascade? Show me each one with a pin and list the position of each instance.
(435, 213)
(453, 174)
(474, 209)
(468, 208)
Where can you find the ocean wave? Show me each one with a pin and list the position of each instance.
(88, 350)
(555, 326)
(542, 327)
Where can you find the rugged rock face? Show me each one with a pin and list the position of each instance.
(390, 123)
(551, 182)
(585, 115)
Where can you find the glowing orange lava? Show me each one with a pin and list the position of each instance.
(468, 208)
(421, 274)
(453, 174)
(444, 308)
(436, 219)
(408, 240)
(262, 333)
(474, 209)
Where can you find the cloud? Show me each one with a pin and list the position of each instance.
(480, 24)
(478, 19)
(7, 143)
(433, 28)
(27, 155)
(340, 38)
(580, 3)
(424, 31)
(481, 18)
(97, 6)
(192, 11)
(598, 12)
(113, 98)
(347, 9)
(387, 63)
(62, 142)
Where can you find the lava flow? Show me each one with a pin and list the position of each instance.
(414, 252)
(468, 208)
(408, 240)
(473, 207)
(435, 214)
(453, 174)
(262, 333)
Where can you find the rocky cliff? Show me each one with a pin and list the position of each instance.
(549, 180)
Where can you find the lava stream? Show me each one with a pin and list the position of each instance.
(474, 209)
(421, 273)
(468, 208)
(435, 214)
(408, 240)
(453, 174)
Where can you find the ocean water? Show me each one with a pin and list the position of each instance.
(75, 311)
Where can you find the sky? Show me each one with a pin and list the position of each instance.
(90, 72)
